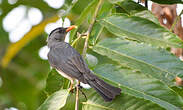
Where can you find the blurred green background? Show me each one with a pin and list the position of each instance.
(24, 67)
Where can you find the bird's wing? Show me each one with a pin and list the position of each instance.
(68, 60)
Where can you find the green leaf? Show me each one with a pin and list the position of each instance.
(82, 17)
(141, 86)
(135, 9)
(55, 101)
(55, 82)
(167, 1)
(148, 15)
(104, 11)
(131, 7)
(122, 102)
(157, 63)
(70, 104)
(142, 30)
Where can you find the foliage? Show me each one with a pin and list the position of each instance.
(127, 48)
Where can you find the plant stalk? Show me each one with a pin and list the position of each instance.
(90, 27)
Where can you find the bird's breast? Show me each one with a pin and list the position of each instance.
(64, 74)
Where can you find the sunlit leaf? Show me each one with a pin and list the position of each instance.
(56, 101)
(142, 30)
(141, 86)
(157, 63)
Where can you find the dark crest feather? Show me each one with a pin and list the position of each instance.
(55, 30)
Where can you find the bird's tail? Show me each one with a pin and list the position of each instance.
(108, 92)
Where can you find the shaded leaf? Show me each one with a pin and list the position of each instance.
(141, 29)
(56, 101)
(157, 63)
(55, 82)
(96, 31)
(104, 11)
(82, 18)
(141, 86)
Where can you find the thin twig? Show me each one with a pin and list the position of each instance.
(90, 27)
(176, 20)
(78, 37)
(77, 96)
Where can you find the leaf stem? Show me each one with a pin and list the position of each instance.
(176, 20)
(90, 27)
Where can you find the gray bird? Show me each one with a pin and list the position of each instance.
(70, 64)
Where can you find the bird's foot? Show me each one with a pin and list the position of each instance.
(80, 89)
(71, 90)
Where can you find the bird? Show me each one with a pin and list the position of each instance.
(71, 65)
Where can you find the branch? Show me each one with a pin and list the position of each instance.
(175, 22)
(90, 27)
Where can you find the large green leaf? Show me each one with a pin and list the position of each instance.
(141, 29)
(141, 86)
(55, 101)
(157, 63)
(122, 102)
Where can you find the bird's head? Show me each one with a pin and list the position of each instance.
(59, 34)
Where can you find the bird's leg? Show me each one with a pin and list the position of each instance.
(71, 86)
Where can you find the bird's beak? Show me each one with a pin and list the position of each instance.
(70, 28)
